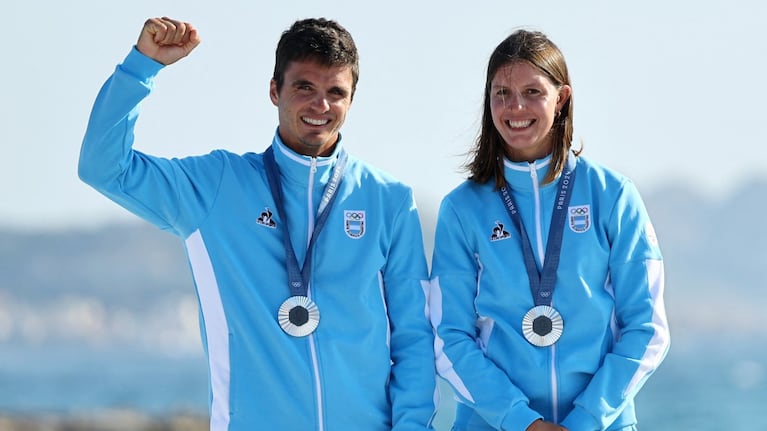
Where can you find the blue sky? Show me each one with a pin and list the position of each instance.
(663, 92)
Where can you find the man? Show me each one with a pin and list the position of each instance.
(308, 263)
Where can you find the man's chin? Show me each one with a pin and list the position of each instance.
(319, 147)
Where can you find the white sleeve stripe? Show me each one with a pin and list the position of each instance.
(659, 343)
(442, 362)
(216, 330)
(426, 287)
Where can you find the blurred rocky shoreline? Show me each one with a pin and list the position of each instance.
(103, 421)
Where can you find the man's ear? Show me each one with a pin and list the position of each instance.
(273, 94)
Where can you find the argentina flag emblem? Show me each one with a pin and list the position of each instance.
(580, 218)
(354, 223)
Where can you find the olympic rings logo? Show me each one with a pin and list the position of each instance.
(355, 215)
(579, 211)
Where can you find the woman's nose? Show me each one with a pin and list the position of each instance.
(515, 100)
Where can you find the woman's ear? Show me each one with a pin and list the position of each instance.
(564, 95)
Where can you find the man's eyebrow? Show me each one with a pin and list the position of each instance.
(301, 82)
(341, 90)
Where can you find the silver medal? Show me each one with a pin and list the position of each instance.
(542, 326)
(298, 316)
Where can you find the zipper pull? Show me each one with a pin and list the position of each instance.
(534, 173)
(313, 166)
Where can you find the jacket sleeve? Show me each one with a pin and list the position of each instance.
(413, 384)
(637, 280)
(475, 380)
(171, 194)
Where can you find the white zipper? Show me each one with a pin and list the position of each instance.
(538, 227)
(542, 258)
(310, 201)
(312, 345)
(315, 365)
(554, 386)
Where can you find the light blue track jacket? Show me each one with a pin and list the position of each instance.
(369, 365)
(609, 291)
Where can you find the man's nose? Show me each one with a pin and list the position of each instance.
(321, 102)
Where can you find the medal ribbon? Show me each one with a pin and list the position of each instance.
(542, 283)
(298, 279)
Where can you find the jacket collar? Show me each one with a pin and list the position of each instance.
(526, 176)
(297, 168)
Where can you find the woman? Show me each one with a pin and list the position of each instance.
(547, 279)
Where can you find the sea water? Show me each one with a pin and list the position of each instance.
(706, 383)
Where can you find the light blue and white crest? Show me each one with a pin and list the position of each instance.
(354, 223)
(580, 218)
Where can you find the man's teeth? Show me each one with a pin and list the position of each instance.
(314, 122)
(520, 124)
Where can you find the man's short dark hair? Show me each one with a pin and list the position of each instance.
(316, 39)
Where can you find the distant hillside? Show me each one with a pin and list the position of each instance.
(714, 257)
(122, 263)
(713, 243)
(113, 285)
(110, 283)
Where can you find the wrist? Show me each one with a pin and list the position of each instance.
(534, 425)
